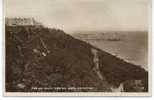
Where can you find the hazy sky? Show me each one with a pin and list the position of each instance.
(71, 15)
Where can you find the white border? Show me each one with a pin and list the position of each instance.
(106, 94)
(150, 35)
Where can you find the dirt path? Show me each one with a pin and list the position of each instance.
(99, 74)
(96, 62)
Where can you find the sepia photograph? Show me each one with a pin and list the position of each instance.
(77, 47)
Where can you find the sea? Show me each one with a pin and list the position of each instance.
(132, 47)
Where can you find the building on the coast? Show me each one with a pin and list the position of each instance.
(21, 22)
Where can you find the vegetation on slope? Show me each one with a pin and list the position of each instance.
(62, 62)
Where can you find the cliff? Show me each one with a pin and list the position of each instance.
(44, 57)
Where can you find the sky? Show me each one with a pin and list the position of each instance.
(91, 15)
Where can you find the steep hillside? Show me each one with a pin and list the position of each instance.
(43, 57)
